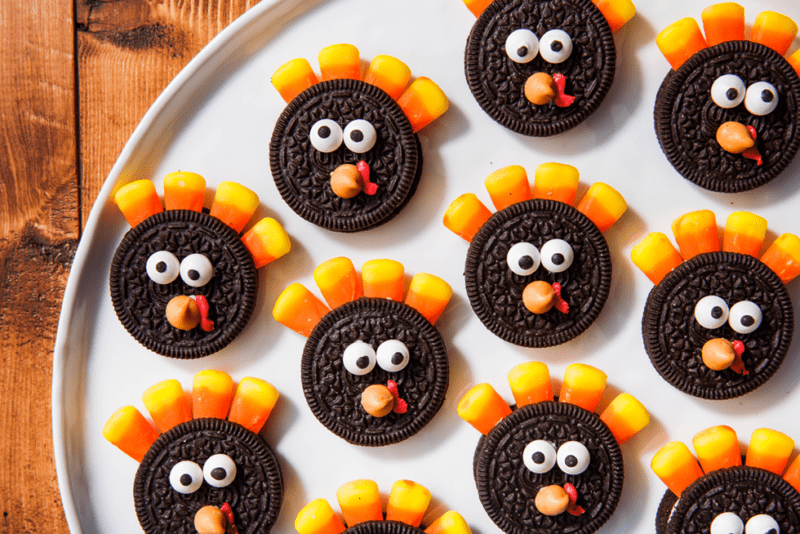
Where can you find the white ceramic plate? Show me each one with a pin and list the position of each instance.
(216, 119)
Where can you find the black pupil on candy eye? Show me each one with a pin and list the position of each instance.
(538, 457)
(193, 275)
(716, 312)
(747, 321)
(397, 358)
(767, 96)
(732, 94)
(357, 136)
(362, 362)
(324, 132)
(772, 530)
(525, 262)
(186, 480)
(218, 473)
(522, 51)
(557, 259)
(571, 461)
(161, 266)
(556, 46)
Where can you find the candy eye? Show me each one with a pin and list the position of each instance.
(728, 91)
(360, 136)
(539, 456)
(523, 259)
(325, 135)
(196, 270)
(745, 317)
(393, 356)
(727, 523)
(219, 470)
(762, 524)
(522, 46)
(711, 312)
(359, 358)
(186, 477)
(761, 99)
(573, 457)
(557, 255)
(555, 46)
(162, 267)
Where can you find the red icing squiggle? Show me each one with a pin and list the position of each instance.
(202, 304)
(738, 364)
(562, 99)
(369, 187)
(572, 493)
(228, 511)
(561, 304)
(400, 406)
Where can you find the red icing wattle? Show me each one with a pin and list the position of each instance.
(400, 406)
(228, 511)
(202, 304)
(752, 152)
(561, 304)
(738, 364)
(572, 493)
(369, 187)
(562, 99)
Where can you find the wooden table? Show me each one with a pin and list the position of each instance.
(77, 78)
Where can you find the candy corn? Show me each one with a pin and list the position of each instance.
(359, 501)
(783, 257)
(792, 474)
(293, 78)
(466, 215)
(339, 61)
(625, 416)
(717, 448)
(388, 73)
(298, 309)
(407, 502)
(423, 102)
(383, 279)
(449, 523)
(138, 200)
(655, 256)
(696, 233)
(167, 404)
(211, 394)
(483, 408)
(428, 295)
(556, 181)
(130, 431)
(530, 383)
(338, 281)
(794, 61)
(477, 6)
(508, 186)
(184, 191)
(616, 12)
(723, 22)
(744, 233)
(676, 467)
(234, 204)
(603, 205)
(680, 40)
(252, 403)
(266, 241)
(583, 386)
(317, 517)
(774, 30)
(769, 449)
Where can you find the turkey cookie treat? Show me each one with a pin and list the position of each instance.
(183, 281)
(345, 153)
(538, 271)
(540, 67)
(548, 466)
(727, 115)
(374, 368)
(717, 324)
(719, 495)
(361, 508)
(203, 473)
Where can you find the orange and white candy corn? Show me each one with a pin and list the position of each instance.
(583, 386)
(138, 200)
(603, 204)
(483, 408)
(769, 449)
(267, 241)
(167, 404)
(389, 74)
(696, 233)
(530, 383)
(680, 40)
(407, 502)
(717, 448)
(212, 392)
(465, 216)
(338, 281)
(556, 181)
(423, 102)
(655, 256)
(252, 403)
(317, 517)
(744, 233)
(359, 501)
(783, 257)
(429, 295)
(616, 12)
(234, 204)
(774, 30)
(723, 22)
(130, 432)
(676, 467)
(449, 522)
(625, 416)
(383, 279)
(298, 309)
(339, 61)
(184, 191)
(507, 186)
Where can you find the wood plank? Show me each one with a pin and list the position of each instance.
(38, 236)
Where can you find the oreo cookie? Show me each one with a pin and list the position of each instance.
(344, 153)
(728, 117)
(541, 67)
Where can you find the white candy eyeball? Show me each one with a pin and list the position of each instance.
(728, 91)
(711, 312)
(393, 355)
(762, 524)
(523, 259)
(163, 267)
(727, 523)
(196, 270)
(325, 135)
(745, 317)
(219, 470)
(555, 46)
(186, 477)
(522, 46)
(761, 99)
(573, 457)
(557, 255)
(539, 456)
(360, 136)
(359, 358)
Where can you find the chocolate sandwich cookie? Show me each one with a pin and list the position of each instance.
(183, 282)
(540, 67)
(538, 271)
(374, 369)
(344, 153)
(719, 324)
(727, 118)
(550, 466)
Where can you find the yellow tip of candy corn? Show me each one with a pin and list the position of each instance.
(423, 102)
(723, 22)
(680, 40)
(138, 200)
(428, 295)
(211, 394)
(267, 241)
(359, 501)
(603, 205)
(696, 233)
(508, 186)
(676, 467)
(583, 386)
(744, 233)
(655, 256)
(556, 181)
(317, 517)
(616, 12)
(407, 502)
(625, 416)
(383, 279)
(449, 522)
(252, 403)
(783, 257)
(167, 404)
(774, 30)
(389, 74)
(298, 309)
(769, 449)
(465, 216)
(184, 191)
(130, 432)
(293, 78)
(339, 61)
(483, 408)
(530, 383)
(717, 448)
(234, 204)
(338, 281)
